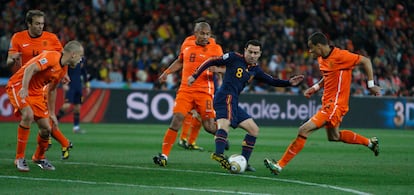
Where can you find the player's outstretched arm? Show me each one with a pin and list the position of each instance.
(366, 63)
(295, 80)
(312, 90)
(175, 66)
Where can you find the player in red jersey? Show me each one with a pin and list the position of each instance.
(336, 67)
(25, 45)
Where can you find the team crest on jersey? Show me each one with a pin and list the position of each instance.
(43, 61)
(225, 56)
(44, 43)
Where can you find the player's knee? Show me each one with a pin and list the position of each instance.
(210, 127)
(44, 132)
(27, 117)
(177, 121)
(253, 132)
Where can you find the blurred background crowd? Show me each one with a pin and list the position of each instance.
(135, 40)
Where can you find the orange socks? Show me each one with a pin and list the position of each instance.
(186, 126)
(42, 144)
(58, 135)
(294, 148)
(195, 130)
(169, 139)
(22, 137)
(350, 137)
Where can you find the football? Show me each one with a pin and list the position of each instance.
(238, 163)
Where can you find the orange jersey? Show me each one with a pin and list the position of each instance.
(29, 47)
(193, 56)
(337, 74)
(51, 71)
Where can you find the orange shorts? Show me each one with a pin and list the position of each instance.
(329, 115)
(201, 102)
(37, 103)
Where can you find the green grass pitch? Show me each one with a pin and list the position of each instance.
(117, 159)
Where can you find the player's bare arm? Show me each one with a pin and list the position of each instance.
(366, 63)
(14, 59)
(174, 67)
(295, 80)
(28, 74)
(312, 90)
(51, 102)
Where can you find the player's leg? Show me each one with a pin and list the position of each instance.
(185, 131)
(350, 137)
(204, 106)
(62, 111)
(250, 138)
(39, 156)
(23, 109)
(195, 131)
(64, 142)
(68, 94)
(220, 140)
(225, 112)
(76, 119)
(77, 101)
(58, 135)
(183, 105)
(23, 132)
(297, 144)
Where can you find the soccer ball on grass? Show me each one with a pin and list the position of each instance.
(238, 163)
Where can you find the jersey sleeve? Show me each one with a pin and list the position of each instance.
(264, 77)
(14, 44)
(348, 59)
(214, 61)
(47, 60)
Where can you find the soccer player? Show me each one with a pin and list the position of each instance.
(26, 93)
(240, 70)
(25, 45)
(73, 93)
(200, 95)
(336, 67)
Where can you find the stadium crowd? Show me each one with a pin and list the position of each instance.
(135, 40)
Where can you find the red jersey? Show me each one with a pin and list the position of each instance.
(194, 55)
(337, 74)
(51, 71)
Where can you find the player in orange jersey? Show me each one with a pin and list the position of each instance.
(192, 121)
(26, 93)
(336, 67)
(27, 44)
(200, 95)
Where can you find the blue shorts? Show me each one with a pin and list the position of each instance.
(73, 96)
(231, 111)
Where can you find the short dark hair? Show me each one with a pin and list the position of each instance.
(254, 43)
(32, 13)
(318, 37)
